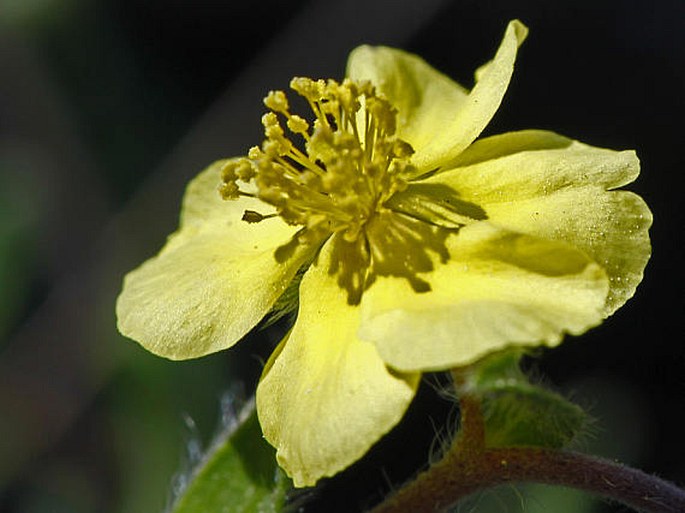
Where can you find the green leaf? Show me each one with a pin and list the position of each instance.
(239, 474)
(519, 413)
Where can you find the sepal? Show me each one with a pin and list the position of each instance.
(518, 413)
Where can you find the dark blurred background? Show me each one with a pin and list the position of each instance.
(107, 109)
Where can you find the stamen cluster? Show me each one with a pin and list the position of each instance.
(350, 163)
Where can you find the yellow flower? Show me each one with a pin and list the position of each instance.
(419, 249)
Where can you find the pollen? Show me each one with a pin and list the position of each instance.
(331, 174)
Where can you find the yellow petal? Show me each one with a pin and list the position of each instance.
(560, 194)
(212, 282)
(436, 116)
(418, 91)
(325, 396)
(520, 165)
(501, 145)
(498, 289)
(611, 227)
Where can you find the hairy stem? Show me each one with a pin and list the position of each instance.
(454, 478)
(469, 466)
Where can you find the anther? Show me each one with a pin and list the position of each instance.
(298, 125)
(229, 191)
(277, 101)
(252, 216)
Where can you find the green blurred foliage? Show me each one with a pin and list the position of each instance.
(21, 200)
(35, 15)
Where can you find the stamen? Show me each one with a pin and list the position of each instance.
(252, 216)
(277, 101)
(349, 165)
(298, 125)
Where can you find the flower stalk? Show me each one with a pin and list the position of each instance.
(468, 466)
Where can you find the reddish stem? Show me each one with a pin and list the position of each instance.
(468, 466)
(454, 478)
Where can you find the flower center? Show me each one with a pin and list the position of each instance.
(349, 177)
(348, 165)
